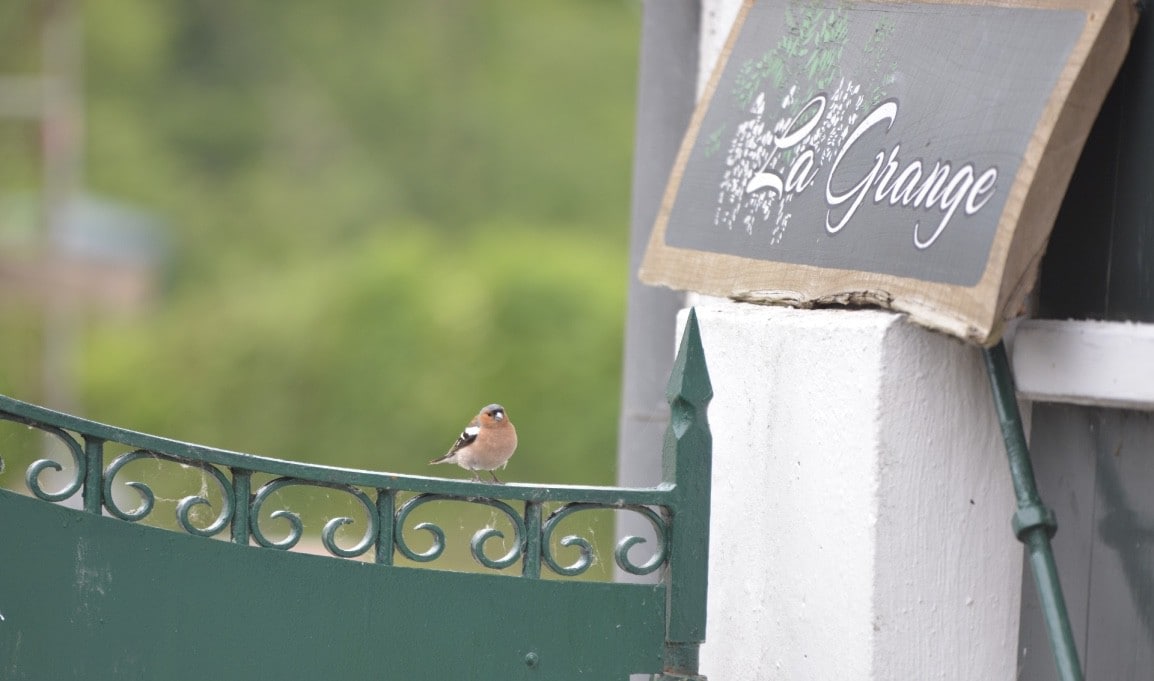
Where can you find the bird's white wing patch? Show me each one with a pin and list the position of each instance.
(471, 432)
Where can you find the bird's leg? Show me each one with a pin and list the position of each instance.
(476, 478)
(495, 479)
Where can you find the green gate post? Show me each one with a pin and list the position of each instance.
(1034, 524)
(687, 464)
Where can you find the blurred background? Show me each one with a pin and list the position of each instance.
(321, 231)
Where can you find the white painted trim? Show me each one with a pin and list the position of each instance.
(1108, 364)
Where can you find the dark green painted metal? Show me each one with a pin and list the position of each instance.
(687, 467)
(532, 566)
(105, 599)
(94, 466)
(681, 662)
(32, 475)
(386, 509)
(241, 498)
(149, 603)
(1034, 524)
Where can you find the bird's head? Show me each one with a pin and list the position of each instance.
(495, 412)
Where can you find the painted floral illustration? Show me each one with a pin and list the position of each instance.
(800, 111)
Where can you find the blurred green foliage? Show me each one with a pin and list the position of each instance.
(271, 129)
(384, 215)
(375, 356)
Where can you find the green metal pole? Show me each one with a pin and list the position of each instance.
(1034, 524)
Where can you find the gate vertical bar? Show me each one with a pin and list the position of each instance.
(531, 567)
(93, 471)
(386, 507)
(687, 464)
(1034, 524)
(241, 497)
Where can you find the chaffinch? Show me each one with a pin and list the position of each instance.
(486, 444)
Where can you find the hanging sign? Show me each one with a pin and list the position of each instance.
(910, 155)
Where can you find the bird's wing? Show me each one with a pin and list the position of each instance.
(466, 438)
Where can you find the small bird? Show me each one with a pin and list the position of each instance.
(486, 444)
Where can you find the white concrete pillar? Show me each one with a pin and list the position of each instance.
(861, 502)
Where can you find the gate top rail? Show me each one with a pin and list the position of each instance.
(43, 418)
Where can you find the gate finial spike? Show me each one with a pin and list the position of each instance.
(687, 463)
(689, 379)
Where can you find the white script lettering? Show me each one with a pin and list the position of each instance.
(801, 171)
(941, 186)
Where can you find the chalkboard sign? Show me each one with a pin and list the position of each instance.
(907, 155)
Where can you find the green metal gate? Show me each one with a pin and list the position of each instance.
(85, 594)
